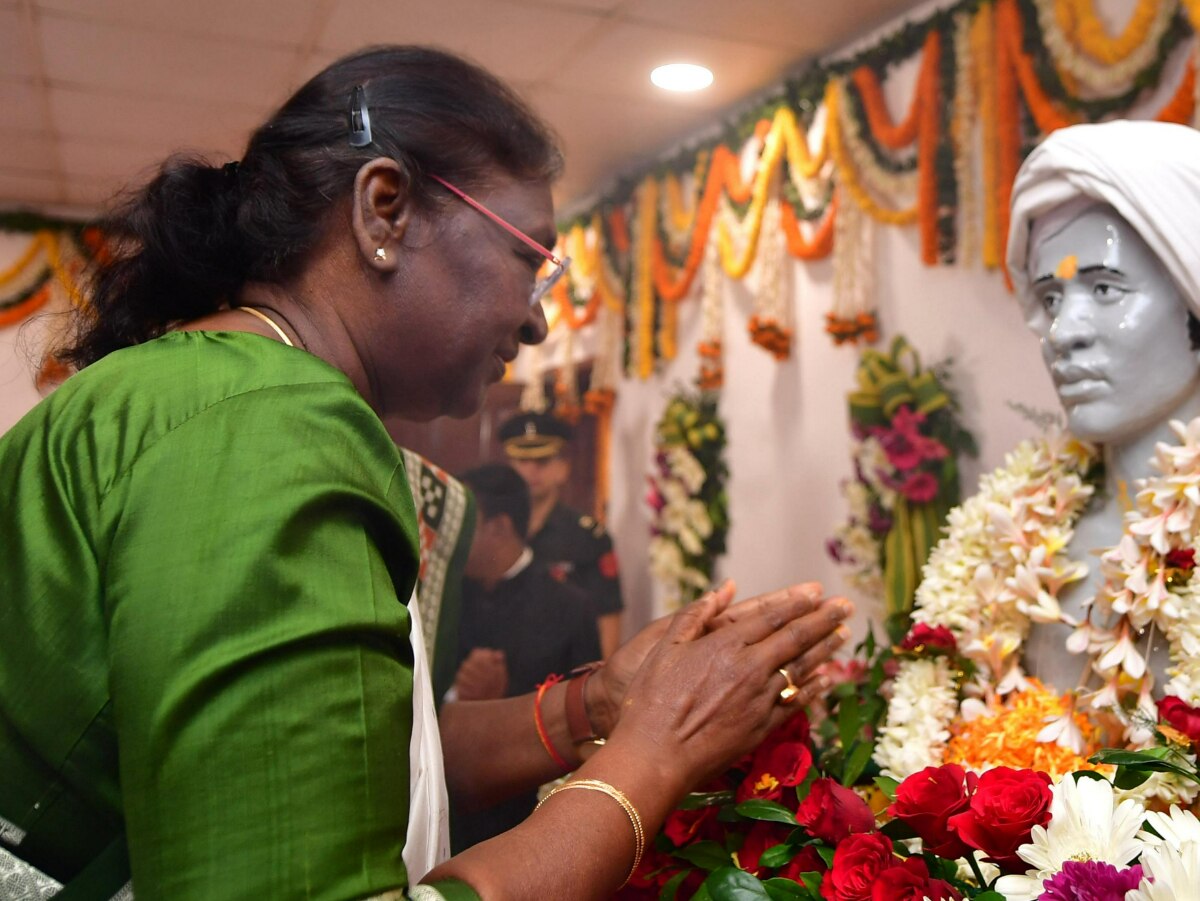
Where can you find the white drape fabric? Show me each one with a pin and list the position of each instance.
(428, 841)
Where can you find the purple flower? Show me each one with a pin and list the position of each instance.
(879, 523)
(1091, 879)
(833, 547)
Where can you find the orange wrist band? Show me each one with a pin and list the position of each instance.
(541, 726)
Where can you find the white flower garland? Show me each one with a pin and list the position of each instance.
(853, 282)
(1003, 563)
(1104, 79)
(873, 177)
(962, 132)
(768, 296)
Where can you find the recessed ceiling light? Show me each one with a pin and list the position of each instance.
(682, 77)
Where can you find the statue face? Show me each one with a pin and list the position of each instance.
(1113, 326)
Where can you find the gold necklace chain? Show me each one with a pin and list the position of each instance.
(259, 314)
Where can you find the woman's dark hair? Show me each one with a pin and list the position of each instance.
(187, 241)
(500, 490)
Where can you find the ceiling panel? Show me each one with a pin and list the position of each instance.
(23, 187)
(93, 91)
(589, 123)
(28, 152)
(803, 27)
(16, 45)
(24, 109)
(265, 22)
(516, 41)
(139, 62)
(619, 63)
(155, 123)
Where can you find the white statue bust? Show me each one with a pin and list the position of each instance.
(1104, 251)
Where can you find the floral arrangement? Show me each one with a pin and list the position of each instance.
(907, 439)
(938, 769)
(688, 505)
(808, 816)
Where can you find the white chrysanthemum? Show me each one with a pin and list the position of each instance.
(924, 701)
(686, 468)
(666, 560)
(1172, 828)
(1086, 823)
(1169, 874)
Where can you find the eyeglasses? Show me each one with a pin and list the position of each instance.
(360, 136)
(543, 284)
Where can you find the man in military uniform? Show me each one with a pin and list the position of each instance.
(574, 547)
(518, 626)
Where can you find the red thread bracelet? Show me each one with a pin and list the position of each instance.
(541, 726)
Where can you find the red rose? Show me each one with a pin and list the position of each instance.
(857, 863)
(762, 835)
(924, 636)
(926, 800)
(1178, 714)
(807, 861)
(1181, 558)
(686, 826)
(831, 812)
(909, 881)
(1007, 804)
(783, 759)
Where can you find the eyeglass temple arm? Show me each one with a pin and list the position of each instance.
(511, 229)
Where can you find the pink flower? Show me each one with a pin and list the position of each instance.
(904, 444)
(1091, 879)
(920, 487)
(925, 636)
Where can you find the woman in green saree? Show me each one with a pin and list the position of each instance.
(210, 679)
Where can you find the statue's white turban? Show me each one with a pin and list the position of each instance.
(1149, 172)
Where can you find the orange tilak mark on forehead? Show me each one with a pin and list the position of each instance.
(1067, 267)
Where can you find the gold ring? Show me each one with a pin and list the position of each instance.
(787, 695)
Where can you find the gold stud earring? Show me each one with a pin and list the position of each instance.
(380, 254)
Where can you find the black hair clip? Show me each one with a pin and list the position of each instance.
(360, 118)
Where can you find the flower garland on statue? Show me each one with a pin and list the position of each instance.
(689, 508)
(1001, 568)
(907, 438)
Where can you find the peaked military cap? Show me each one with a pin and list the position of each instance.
(533, 436)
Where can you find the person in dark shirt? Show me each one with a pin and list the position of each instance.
(574, 547)
(518, 625)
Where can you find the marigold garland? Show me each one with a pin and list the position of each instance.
(849, 178)
(1078, 19)
(890, 135)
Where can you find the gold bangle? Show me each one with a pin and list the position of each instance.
(635, 819)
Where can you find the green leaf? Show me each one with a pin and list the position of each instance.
(732, 884)
(770, 811)
(671, 889)
(826, 854)
(812, 881)
(786, 890)
(778, 855)
(897, 830)
(1129, 777)
(856, 762)
(849, 720)
(989, 896)
(702, 895)
(706, 855)
(1089, 774)
(888, 786)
